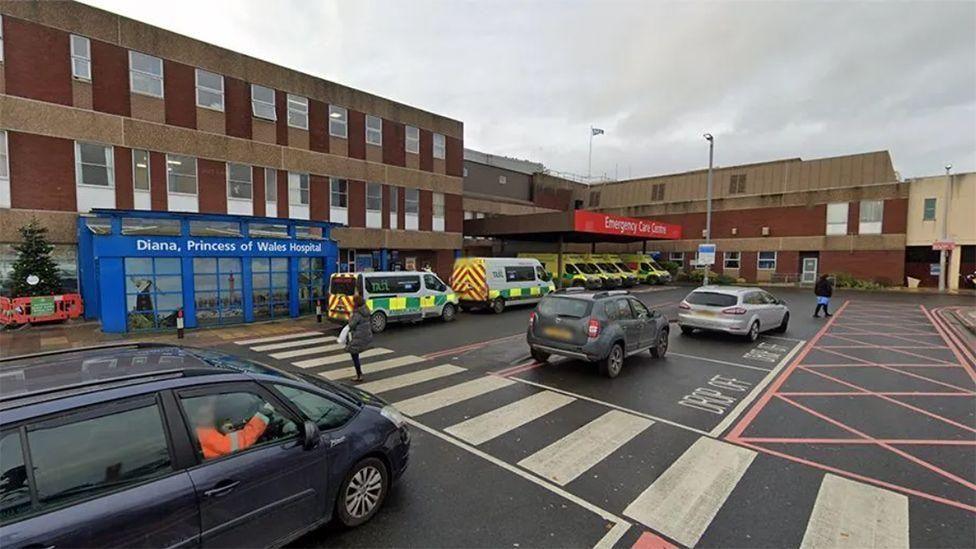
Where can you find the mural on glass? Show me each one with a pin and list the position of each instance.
(311, 283)
(153, 292)
(217, 290)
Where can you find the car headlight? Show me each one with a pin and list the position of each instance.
(394, 415)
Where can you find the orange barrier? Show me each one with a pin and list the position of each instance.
(24, 310)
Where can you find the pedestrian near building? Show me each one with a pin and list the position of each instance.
(360, 333)
(823, 289)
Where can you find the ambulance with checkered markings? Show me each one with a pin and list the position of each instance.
(496, 282)
(393, 296)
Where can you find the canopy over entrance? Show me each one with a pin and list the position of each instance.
(572, 226)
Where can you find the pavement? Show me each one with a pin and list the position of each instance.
(858, 431)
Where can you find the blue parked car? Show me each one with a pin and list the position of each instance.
(162, 446)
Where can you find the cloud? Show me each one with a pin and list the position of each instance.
(770, 80)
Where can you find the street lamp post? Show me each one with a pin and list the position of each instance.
(708, 199)
(944, 232)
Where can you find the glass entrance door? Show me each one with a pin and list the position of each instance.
(217, 290)
(809, 272)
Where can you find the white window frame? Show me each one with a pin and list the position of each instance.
(676, 257)
(160, 77)
(502, 180)
(374, 136)
(870, 226)
(730, 257)
(394, 207)
(109, 165)
(231, 181)
(412, 144)
(374, 216)
(79, 59)
(4, 165)
(297, 106)
(377, 187)
(333, 191)
(1, 38)
(440, 146)
(759, 261)
(338, 120)
(837, 227)
(412, 219)
(304, 183)
(255, 103)
(136, 167)
(170, 159)
(270, 182)
(438, 202)
(208, 89)
(935, 208)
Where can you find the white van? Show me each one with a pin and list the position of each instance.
(392, 296)
(496, 282)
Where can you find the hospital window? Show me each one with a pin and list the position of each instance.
(413, 140)
(737, 184)
(440, 150)
(338, 121)
(837, 218)
(766, 261)
(181, 174)
(229, 229)
(928, 210)
(210, 90)
(657, 192)
(411, 201)
(140, 170)
(145, 74)
(677, 257)
(374, 130)
(732, 260)
(298, 189)
(267, 230)
(339, 193)
(239, 181)
(269, 282)
(263, 102)
(270, 187)
(94, 165)
(217, 292)
(311, 283)
(153, 291)
(147, 226)
(871, 214)
(374, 197)
(298, 111)
(80, 58)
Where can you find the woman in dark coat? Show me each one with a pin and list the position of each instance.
(360, 333)
(823, 289)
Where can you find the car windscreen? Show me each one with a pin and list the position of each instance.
(607, 267)
(587, 268)
(344, 285)
(647, 267)
(564, 306)
(712, 299)
(623, 267)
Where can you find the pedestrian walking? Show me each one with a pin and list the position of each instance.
(823, 289)
(360, 333)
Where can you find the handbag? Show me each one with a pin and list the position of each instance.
(343, 338)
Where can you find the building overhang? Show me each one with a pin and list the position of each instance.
(572, 226)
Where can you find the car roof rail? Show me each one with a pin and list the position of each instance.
(118, 345)
(609, 293)
(571, 289)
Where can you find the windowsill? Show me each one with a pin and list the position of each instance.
(765, 269)
(235, 199)
(80, 79)
(298, 205)
(181, 194)
(147, 191)
(339, 136)
(380, 144)
(146, 94)
(438, 158)
(263, 118)
(414, 152)
(87, 185)
(298, 127)
(220, 110)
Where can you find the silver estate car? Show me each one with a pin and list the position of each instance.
(733, 310)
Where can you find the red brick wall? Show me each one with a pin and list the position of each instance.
(401, 209)
(879, 265)
(786, 221)
(318, 197)
(895, 217)
(42, 171)
(212, 185)
(110, 78)
(444, 264)
(386, 206)
(318, 126)
(426, 150)
(282, 193)
(37, 61)
(281, 126)
(158, 198)
(257, 176)
(237, 110)
(747, 265)
(357, 203)
(426, 221)
(788, 262)
(454, 212)
(454, 156)
(853, 217)
(123, 178)
(357, 134)
(394, 143)
(179, 81)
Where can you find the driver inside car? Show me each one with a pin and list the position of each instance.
(219, 438)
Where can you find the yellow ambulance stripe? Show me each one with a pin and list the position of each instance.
(427, 301)
(398, 303)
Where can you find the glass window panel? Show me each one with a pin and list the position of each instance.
(411, 201)
(229, 265)
(279, 264)
(145, 63)
(169, 301)
(279, 280)
(338, 122)
(268, 230)
(95, 175)
(374, 196)
(308, 233)
(204, 265)
(204, 282)
(439, 148)
(139, 226)
(263, 102)
(297, 111)
(15, 495)
(270, 185)
(215, 228)
(140, 170)
(138, 265)
(413, 140)
(374, 130)
(260, 280)
(394, 199)
(169, 283)
(339, 193)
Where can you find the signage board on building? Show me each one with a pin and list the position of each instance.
(706, 254)
(162, 246)
(943, 245)
(594, 222)
(935, 269)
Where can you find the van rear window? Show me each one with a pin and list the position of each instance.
(564, 306)
(395, 284)
(712, 299)
(343, 286)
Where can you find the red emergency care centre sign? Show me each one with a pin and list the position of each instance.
(593, 222)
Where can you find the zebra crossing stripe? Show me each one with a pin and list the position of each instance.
(289, 344)
(451, 395)
(316, 350)
(390, 363)
(682, 502)
(283, 337)
(852, 514)
(337, 358)
(413, 378)
(497, 422)
(571, 456)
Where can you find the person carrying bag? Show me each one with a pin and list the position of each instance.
(360, 333)
(823, 289)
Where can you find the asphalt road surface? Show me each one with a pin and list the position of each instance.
(859, 430)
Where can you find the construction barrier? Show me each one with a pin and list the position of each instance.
(48, 308)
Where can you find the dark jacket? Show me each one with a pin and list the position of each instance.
(360, 332)
(823, 288)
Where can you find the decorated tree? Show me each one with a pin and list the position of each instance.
(34, 260)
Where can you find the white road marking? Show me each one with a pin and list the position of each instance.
(289, 344)
(390, 363)
(499, 421)
(341, 357)
(682, 502)
(613, 536)
(611, 405)
(413, 378)
(276, 338)
(725, 362)
(316, 350)
(756, 391)
(571, 456)
(451, 395)
(853, 514)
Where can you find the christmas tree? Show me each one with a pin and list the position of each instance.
(34, 260)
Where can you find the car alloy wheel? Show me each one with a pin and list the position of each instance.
(364, 492)
(661, 348)
(754, 331)
(498, 305)
(448, 313)
(615, 361)
(377, 321)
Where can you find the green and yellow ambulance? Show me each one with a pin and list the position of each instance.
(650, 271)
(496, 282)
(575, 273)
(394, 296)
(611, 264)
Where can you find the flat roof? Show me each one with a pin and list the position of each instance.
(572, 226)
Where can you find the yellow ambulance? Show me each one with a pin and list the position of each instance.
(650, 271)
(575, 273)
(496, 282)
(394, 296)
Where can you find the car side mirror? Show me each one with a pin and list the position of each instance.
(310, 435)
(655, 314)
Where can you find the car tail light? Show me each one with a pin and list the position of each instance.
(532, 319)
(593, 329)
(734, 311)
(684, 305)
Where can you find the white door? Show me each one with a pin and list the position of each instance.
(809, 272)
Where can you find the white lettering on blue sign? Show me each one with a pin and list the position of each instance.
(153, 246)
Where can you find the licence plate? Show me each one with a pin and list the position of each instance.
(705, 313)
(557, 333)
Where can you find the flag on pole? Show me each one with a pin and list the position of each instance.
(596, 131)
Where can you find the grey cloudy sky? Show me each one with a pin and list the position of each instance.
(769, 80)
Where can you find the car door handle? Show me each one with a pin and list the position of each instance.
(222, 488)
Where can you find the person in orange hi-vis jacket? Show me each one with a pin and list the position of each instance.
(216, 442)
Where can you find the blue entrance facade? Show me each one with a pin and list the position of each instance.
(138, 269)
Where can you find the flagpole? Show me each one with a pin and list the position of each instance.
(589, 162)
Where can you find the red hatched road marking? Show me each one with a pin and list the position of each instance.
(649, 540)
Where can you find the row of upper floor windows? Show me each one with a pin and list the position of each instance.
(146, 78)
